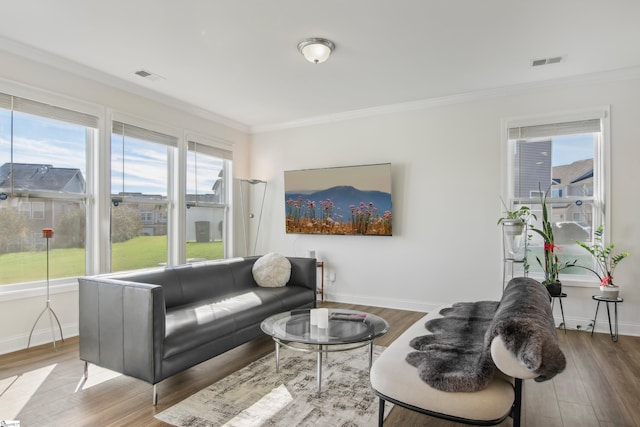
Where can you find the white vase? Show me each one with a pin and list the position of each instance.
(609, 292)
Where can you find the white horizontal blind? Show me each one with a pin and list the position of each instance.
(555, 129)
(5, 101)
(119, 128)
(210, 151)
(47, 111)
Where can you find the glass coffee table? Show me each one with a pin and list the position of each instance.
(346, 330)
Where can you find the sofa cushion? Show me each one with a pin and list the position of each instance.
(272, 270)
(192, 325)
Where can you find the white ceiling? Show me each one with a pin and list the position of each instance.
(238, 58)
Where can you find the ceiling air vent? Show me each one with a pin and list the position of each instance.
(148, 75)
(547, 61)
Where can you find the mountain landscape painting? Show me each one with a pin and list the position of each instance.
(351, 200)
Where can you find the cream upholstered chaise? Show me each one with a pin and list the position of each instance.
(394, 380)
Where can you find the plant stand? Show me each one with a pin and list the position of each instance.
(514, 248)
(615, 301)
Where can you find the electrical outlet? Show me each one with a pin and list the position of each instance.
(332, 276)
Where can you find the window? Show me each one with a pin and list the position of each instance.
(51, 176)
(564, 158)
(206, 200)
(43, 168)
(140, 161)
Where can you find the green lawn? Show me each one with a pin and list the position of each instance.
(140, 252)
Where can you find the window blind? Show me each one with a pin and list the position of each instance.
(119, 128)
(40, 109)
(553, 129)
(210, 151)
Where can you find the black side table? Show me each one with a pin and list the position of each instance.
(553, 300)
(615, 301)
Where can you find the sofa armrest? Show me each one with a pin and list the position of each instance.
(507, 362)
(303, 272)
(122, 326)
(524, 324)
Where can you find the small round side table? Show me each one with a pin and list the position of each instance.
(615, 301)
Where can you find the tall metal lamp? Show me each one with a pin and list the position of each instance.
(250, 182)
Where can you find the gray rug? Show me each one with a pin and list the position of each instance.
(258, 396)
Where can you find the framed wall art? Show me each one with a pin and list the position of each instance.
(348, 200)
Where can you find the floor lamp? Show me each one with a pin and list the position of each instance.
(251, 215)
(47, 233)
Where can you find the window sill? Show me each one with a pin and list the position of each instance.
(36, 289)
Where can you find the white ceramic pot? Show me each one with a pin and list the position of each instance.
(610, 292)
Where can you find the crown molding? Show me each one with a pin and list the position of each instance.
(583, 79)
(55, 61)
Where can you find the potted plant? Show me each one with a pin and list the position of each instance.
(551, 264)
(513, 227)
(605, 262)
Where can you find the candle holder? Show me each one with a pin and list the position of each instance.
(47, 233)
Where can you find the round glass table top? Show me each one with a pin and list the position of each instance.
(344, 327)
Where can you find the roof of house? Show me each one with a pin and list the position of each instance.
(579, 171)
(40, 177)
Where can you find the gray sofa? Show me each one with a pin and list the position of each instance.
(153, 323)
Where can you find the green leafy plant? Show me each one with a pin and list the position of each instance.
(523, 214)
(605, 261)
(551, 262)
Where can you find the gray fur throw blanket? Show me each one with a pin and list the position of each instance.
(457, 355)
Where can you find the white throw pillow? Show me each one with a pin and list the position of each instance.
(271, 270)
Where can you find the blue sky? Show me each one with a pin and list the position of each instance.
(570, 148)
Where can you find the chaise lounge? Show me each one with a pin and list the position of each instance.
(469, 362)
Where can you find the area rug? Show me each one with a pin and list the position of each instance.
(258, 396)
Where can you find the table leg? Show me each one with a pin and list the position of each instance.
(609, 318)
(370, 354)
(595, 318)
(614, 335)
(277, 356)
(319, 372)
(563, 321)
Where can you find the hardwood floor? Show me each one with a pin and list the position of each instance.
(600, 387)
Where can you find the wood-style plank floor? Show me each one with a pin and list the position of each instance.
(600, 387)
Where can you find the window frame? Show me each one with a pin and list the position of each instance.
(601, 164)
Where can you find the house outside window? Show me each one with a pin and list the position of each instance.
(563, 156)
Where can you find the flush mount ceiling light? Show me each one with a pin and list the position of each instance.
(316, 50)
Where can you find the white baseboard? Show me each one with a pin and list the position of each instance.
(39, 337)
(397, 304)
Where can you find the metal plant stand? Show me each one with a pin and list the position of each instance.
(509, 255)
(47, 233)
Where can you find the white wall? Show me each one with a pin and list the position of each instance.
(447, 170)
(20, 309)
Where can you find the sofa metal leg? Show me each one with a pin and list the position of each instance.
(85, 376)
(517, 404)
(380, 412)
(154, 398)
